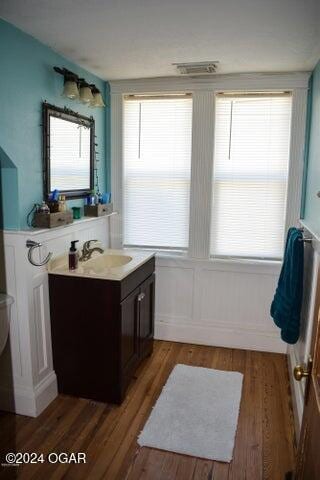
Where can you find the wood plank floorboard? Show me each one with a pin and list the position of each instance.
(264, 444)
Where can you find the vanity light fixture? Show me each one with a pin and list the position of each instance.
(76, 88)
(70, 87)
(85, 92)
(70, 90)
(97, 97)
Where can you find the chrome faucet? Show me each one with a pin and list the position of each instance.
(87, 251)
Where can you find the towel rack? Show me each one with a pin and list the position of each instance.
(32, 245)
(304, 239)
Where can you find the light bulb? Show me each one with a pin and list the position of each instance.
(86, 94)
(97, 100)
(70, 89)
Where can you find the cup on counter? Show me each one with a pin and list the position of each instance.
(76, 213)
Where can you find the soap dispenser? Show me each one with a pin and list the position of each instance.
(73, 256)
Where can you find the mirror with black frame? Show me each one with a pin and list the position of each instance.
(68, 150)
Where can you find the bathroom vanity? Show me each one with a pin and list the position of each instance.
(102, 322)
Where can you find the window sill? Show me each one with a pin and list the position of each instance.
(265, 267)
(165, 258)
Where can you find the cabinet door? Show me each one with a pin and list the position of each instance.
(129, 329)
(146, 316)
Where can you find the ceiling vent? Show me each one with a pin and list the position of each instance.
(197, 68)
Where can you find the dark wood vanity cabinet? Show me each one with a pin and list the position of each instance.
(137, 326)
(101, 331)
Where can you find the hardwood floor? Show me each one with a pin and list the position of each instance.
(264, 447)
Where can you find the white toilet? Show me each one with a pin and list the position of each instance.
(5, 310)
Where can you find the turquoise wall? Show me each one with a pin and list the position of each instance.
(9, 198)
(26, 80)
(311, 213)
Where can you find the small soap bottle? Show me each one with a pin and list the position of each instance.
(73, 256)
(44, 208)
(60, 204)
(64, 205)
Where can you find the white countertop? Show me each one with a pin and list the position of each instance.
(96, 266)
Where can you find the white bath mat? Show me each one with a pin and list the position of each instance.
(196, 413)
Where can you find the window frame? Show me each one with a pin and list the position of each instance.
(202, 154)
(185, 176)
(260, 95)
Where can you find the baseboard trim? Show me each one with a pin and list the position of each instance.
(45, 392)
(24, 400)
(297, 392)
(219, 336)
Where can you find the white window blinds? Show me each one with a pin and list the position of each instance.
(157, 165)
(252, 136)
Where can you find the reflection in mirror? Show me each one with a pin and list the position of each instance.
(69, 155)
(68, 152)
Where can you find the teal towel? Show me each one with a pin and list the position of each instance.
(287, 302)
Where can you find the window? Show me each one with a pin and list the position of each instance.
(250, 175)
(236, 191)
(68, 152)
(157, 167)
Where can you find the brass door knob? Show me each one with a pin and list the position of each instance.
(300, 371)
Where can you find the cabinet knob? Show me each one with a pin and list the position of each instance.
(141, 296)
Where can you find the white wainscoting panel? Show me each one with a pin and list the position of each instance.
(299, 353)
(28, 381)
(216, 302)
(224, 298)
(174, 293)
(40, 311)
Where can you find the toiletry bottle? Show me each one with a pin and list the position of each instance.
(64, 204)
(73, 256)
(44, 208)
(60, 203)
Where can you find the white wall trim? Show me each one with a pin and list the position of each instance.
(45, 392)
(223, 265)
(51, 233)
(297, 391)
(248, 81)
(296, 164)
(299, 353)
(203, 113)
(215, 334)
(24, 400)
(116, 168)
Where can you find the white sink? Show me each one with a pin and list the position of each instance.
(111, 265)
(105, 262)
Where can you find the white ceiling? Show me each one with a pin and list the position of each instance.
(142, 38)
